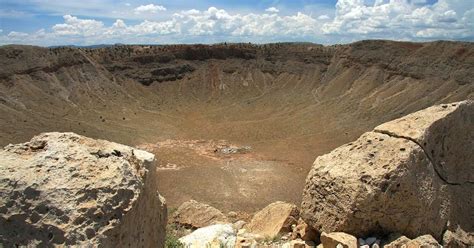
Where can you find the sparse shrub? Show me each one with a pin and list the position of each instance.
(173, 242)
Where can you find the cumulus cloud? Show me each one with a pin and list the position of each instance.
(17, 35)
(324, 17)
(272, 10)
(150, 8)
(75, 26)
(400, 19)
(353, 20)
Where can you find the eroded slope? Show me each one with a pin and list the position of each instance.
(289, 102)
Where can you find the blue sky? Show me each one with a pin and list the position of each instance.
(86, 22)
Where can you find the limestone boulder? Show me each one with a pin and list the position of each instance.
(395, 240)
(299, 243)
(193, 214)
(276, 218)
(458, 238)
(304, 231)
(338, 239)
(422, 241)
(63, 189)
(413, 176)
(214, 236)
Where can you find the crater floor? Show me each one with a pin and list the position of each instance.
(288, 102)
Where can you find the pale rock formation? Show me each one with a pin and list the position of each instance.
(63, 189)
(239, 224)
(214, 236)
(458, 238)
(335, 239)
(304, 231)
(194, 214)
(422, 241)
(298, 243)
(274, 219)
(413, 175)
(396, 241)
(245, 241)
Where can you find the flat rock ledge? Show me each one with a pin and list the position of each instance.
(413, 175)
(63, 189)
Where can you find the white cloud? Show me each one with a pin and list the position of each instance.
(323, 17)
(17, 35)
(353, 20)
(76, 26)
(401, 19)
(150, 8)
(272, 10)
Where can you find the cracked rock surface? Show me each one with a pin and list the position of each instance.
(413, 175)
(65, 189)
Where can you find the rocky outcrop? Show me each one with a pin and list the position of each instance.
(276, 218)
(69, 190)
(193, 214)
(413, 175)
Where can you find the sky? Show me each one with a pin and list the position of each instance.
(89, 22)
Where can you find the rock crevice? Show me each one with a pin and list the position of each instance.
(410, 175)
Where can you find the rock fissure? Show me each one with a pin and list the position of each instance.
(429, 188)
(393, 135)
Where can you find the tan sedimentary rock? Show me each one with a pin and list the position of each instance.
(412, 175)
(304, 231)
(458, 238)
(335, 239)
(422, 241)
(274, 219)
(63, 189)
(396, 241)
(194, 214)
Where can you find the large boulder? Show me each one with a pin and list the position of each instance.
(276, 218)
(63, 189)
(193, 214)
(413, 175)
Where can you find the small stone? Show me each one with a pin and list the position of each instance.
(361, 241)
(275, 219)
(423, 241)
(232, 214)
(457, 237)
(370, 240)
(241, 232)
(304, 231)
(197, 215)
(396, 240)
(239, 224)
(338, 238)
